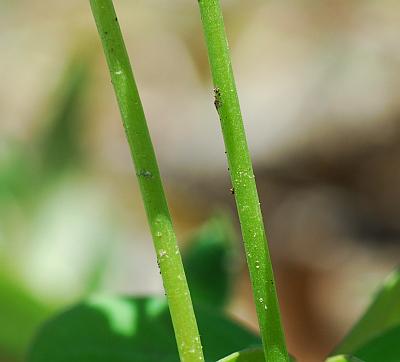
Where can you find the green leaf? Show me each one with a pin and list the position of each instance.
(59, 146)
(122, 329)
(383, 348)
(20, 316)
(249, 355)
(17, 174)
(207, 263)
(26, 168)
(255, 354)
(343, 358)
(382, 314)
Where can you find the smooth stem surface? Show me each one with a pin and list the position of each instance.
(168, 255)
(244, 186)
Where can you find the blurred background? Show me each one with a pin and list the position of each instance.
(319, 83)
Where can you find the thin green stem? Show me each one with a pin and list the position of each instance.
(243, 181)
(168, 255)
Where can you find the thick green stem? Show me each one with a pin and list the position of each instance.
(168, 255)
(243, 181)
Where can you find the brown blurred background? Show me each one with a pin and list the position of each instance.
(319, 83)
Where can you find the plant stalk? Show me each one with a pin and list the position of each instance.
(164, 238)
(243, 181)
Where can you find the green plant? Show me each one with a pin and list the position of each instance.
(168, 255)
(140, 329)
(243, 181)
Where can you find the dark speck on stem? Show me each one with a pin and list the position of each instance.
(217, 98)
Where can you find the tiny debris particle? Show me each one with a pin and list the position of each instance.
(145, 173)
(217, 98)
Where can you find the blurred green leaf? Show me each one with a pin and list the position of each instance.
(382, 314)
(343, 358)
(248, 355)
(25, 170)
(122, 329)
(59, 146)
(24, 167)
(383, 348)
(208, 263)
(17, 175)
(20, 316)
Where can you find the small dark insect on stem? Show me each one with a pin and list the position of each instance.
(217, 99)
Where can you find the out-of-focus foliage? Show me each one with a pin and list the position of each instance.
(60, 145)
(131, 329)
(28, 175)
(19, 317)
(140, 328)
(209, 263)
(343, 358)
(249, 355)
(382, 315)
(26, 171)
(384, 347)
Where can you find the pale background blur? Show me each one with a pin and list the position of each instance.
(319, 83)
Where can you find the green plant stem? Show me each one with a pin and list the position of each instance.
(168, 255)
(243, 181)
